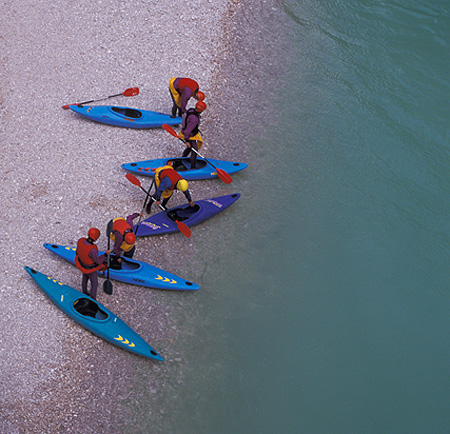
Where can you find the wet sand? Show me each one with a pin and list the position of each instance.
(61, 175)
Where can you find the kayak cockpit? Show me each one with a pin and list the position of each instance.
(183, 164)
(88, 307)
(127, 112)
(181, 214)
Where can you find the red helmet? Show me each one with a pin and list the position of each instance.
(94, 233)
(200, 96)
(130, 238)
(200, 106)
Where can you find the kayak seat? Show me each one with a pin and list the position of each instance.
(127, 112)
(86, 307)
(182, 214)
(181, 165)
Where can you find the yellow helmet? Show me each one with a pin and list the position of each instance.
(182, 185)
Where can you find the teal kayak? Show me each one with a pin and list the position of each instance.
(182, 165)
(93, 316)
(133, 272)
(125, 116)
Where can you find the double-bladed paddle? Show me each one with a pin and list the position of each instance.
(224, 176)
(132, 91)
(182, 227)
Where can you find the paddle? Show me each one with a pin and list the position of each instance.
(224, 176)
(145, 204)
(107, 285)
(132, 91)
(182, 227)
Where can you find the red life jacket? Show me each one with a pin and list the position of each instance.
(82, 260)
(121, 225)
(187, 82)
(172, 174)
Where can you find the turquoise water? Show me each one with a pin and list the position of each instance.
(331, 314)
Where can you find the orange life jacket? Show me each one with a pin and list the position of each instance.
(82, 260)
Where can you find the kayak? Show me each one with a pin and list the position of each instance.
(125, 116)
(133, 272)
(165, 221)
(202, 169)
(93, 316)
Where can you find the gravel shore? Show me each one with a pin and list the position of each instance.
(61, 175)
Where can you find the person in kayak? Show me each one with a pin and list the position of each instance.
(120, 231)
(89, 262)
(167, 179)
(190, 132)
(181, 91)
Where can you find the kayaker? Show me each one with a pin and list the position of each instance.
(167, 179)
(190, 133)
(181, 91)
(120, 231)
(89, 262)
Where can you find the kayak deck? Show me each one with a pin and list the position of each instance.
(93, 316)
(133, 272)
(182, 165)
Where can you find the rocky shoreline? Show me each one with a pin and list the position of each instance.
(61, 175)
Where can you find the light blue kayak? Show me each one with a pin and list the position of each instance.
(182, 165)
(133, 272)
(124, 116)
(93, 316)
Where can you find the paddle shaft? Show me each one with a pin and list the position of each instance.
(222, 174)
(128, 92)
(183, 227)
(145, 204)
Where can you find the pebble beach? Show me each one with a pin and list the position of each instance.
(61, 175)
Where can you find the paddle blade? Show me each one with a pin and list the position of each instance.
(65, 107)
(184, 229)
(224, 176)
(170, 130)
(132, 91)
(133, 179)
(107, 287)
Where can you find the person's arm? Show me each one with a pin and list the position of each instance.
(117, 243)
(188, 197)
(93, 254)
(164, 185)
(131, 217)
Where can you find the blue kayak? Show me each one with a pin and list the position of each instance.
(133, 272)
(125, 116)
(165, 221)
(182, 165)
(93, 316)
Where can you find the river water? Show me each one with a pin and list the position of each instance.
(325, 292)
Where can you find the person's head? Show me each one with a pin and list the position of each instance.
(130, 238)
(182, 185)
(199, 96)
(94, 234)
(200, 106)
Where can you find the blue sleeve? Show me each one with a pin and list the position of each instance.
(188, 195)
(164, 185)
